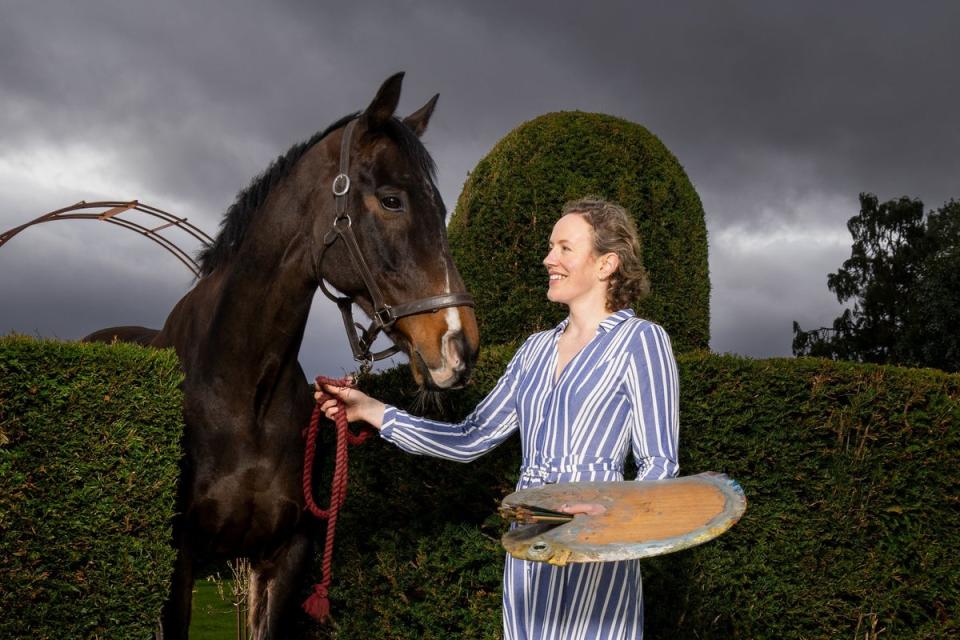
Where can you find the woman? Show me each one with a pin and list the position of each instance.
(582, 394)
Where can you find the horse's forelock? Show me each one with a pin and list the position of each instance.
(411, 146)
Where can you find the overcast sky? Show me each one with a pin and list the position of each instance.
(781, 113)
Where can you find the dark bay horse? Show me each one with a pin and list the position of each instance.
(239, 330)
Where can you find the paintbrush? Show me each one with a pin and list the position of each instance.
(530, 514)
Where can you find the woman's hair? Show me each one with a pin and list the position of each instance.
(615, 232)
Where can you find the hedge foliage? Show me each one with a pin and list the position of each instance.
(850, 472)
(89, 453)
(852, 525)
(510, 202)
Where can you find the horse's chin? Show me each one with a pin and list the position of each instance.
(446, 384)
(439, 379)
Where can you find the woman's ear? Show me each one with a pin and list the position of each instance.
(609, 263)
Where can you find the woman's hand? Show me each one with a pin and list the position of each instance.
(359, 406)
(583, 508)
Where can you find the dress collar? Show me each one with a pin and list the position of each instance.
(606, 324)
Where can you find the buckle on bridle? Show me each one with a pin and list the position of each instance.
(384, 317)
(341, 184)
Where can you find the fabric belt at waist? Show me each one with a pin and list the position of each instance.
(546, 469)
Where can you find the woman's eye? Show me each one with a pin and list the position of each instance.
(391, 203)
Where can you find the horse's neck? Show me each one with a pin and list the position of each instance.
(257, 309)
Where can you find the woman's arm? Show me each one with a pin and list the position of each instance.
(653, 387)
(490, 423)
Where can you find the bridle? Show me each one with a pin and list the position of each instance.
(384, 315)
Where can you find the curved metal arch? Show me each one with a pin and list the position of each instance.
(112, 210)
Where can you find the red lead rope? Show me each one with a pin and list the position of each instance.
(318, 604)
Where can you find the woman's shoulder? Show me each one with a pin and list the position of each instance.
(641, 330)
(635, 323)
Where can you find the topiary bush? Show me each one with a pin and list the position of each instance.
(851, 526)
(89, 459)
(502, 222)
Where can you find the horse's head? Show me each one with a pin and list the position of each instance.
(393, 210)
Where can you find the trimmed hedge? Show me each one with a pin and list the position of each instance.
(89, 453)
(503, 218)
(850, 473)
(852, 525)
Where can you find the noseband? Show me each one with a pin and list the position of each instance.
(384, 315)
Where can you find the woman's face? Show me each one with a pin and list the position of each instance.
(576, 273)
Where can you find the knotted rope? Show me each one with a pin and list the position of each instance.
(318, 604)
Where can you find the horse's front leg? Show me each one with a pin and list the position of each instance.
(274, 583)
(175, 617)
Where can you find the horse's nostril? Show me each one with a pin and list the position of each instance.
(453, 350)
(467, 355)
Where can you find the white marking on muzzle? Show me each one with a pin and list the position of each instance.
(450, 360)
(450, 356)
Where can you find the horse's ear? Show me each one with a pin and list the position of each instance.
(418, 119)
(384, 103)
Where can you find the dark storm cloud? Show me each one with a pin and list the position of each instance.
(780, 112)
(833, 95)
(175, 88)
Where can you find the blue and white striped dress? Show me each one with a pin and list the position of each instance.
(618, 394)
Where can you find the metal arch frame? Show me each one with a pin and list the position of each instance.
(114, 208)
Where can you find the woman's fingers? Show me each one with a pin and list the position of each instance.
(585, 508)
(355, 402)
(330, 390)
(340, 392)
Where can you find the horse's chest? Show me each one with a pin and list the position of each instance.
(245, 510)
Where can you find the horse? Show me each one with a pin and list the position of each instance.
(238, 331)
(129, 333)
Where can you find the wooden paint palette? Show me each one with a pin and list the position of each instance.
(639, 519)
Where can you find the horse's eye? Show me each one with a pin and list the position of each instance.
(391, 203)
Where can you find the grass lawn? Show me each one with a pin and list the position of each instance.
(213, 618)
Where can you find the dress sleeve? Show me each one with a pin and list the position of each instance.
(653, 387)
(487, 426)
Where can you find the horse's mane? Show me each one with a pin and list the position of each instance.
(235, 221)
